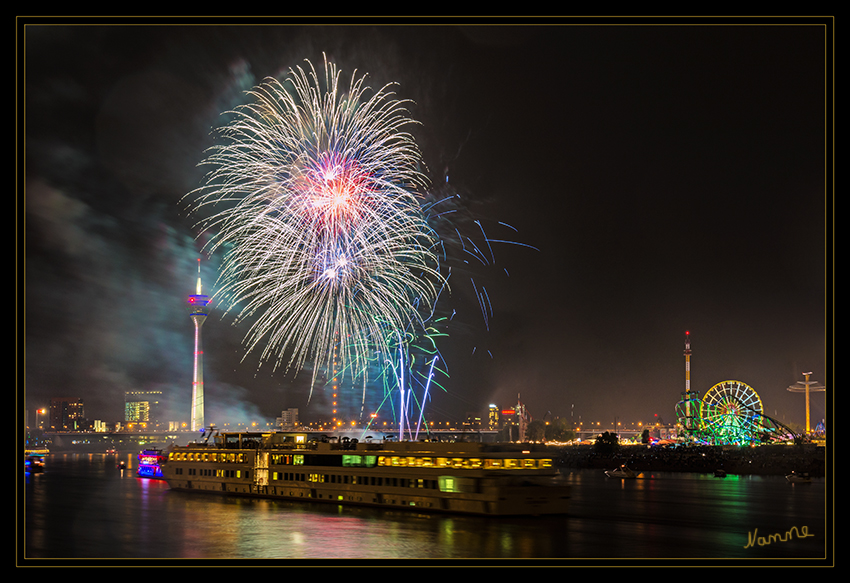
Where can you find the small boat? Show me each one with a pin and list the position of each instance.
(34, 462)
(621, 472)
(719, 474)
(796, 478)
(150, 464)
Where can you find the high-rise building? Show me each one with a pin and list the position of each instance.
(198, 310)
(66, 414)
(473, 422)
(514, 421)
(142, 406)
(288, 419)
(493, 417)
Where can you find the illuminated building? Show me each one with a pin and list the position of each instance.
(514, 421)
(142, 406)
(198, 311)
(508, 424)
(66, 414)
(288, 419)
(473, 422)
(493, 417)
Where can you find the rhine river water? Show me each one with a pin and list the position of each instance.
(83, 510)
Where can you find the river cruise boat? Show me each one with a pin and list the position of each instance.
(471, 478)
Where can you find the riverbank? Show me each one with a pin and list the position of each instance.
(764, 460)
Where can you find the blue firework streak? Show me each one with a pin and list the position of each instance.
(465, 249)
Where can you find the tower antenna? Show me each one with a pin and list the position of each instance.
(688, 414)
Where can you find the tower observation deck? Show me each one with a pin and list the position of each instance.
(198, 305)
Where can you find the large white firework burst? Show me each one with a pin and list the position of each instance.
(314, 192)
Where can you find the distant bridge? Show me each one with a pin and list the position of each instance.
(133, 440)
(487, 435)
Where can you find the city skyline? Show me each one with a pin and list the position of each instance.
(661, 179)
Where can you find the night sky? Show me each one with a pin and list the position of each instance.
(670, 177)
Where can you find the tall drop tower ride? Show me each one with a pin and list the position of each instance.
(687, 394)
(198, 311)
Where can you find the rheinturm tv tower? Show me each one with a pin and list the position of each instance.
(198, 310)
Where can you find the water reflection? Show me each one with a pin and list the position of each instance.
(84, 507)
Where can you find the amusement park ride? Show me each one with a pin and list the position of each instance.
(730, 413)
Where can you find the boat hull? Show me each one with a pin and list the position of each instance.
(502, 501)
(797, 479)
(621, 473)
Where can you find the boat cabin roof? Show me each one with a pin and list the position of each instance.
(327, 443)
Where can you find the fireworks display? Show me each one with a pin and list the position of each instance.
(622, 181)
(313, 198)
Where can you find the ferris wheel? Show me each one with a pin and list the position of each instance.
(732, 412)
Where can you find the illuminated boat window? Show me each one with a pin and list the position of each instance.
(359, 461)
